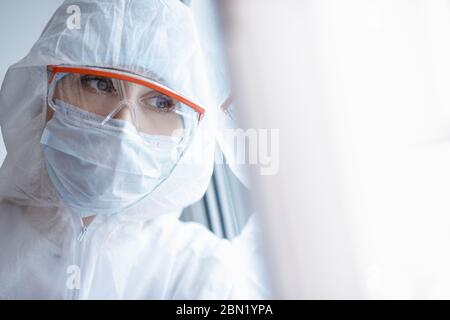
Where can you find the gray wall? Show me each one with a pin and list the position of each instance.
(21, 22)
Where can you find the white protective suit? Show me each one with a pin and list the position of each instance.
(144, 252)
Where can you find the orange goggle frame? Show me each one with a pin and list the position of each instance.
(120, 75)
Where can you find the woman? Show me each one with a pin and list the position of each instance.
(109, 131)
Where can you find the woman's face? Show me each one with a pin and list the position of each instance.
(150, 111)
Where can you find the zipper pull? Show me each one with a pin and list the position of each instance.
(82, 234)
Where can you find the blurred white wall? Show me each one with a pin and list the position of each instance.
(21, 22)
(359, 90)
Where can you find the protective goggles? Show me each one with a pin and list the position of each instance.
(151, 107)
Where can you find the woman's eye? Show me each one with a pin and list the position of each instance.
(100, 85)
(161, 103)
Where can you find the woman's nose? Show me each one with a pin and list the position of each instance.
(129, 96)
(124, 113)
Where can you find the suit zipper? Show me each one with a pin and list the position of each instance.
(80, 244)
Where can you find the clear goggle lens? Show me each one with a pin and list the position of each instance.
(151, 107)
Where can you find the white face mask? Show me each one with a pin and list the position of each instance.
(103, 169)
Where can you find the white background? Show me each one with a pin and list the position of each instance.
(359, 90)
